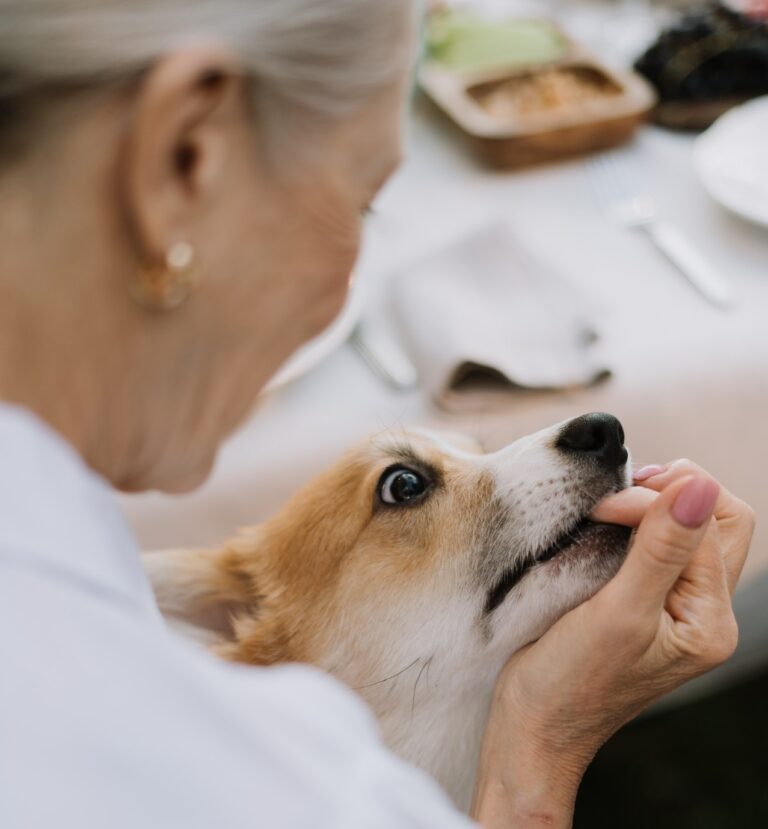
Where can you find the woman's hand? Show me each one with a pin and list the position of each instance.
(664, 618)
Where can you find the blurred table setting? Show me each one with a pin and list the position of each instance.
(596, 314)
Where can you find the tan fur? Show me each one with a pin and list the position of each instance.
(329, 549)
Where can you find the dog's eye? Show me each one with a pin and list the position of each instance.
(398, 486)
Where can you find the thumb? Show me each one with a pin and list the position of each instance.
(666, 541)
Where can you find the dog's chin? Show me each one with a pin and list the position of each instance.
(592, 540)
(591, 547)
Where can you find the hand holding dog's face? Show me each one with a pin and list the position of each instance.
(416, 567)
(412, 570)
(665, 618)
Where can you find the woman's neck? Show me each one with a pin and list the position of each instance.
(54, 355)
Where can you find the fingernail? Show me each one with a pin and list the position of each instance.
(695, 502)
(648, 472)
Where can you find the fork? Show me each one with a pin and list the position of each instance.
(615, 182)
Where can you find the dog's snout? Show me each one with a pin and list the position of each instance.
(597, 435)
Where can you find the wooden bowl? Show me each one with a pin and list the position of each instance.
(528, 115)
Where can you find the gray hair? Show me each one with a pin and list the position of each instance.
(325, 56)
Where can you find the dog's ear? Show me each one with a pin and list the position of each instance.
(201, 591)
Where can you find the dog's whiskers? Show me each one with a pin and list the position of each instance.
(424, 667)
(387, 678)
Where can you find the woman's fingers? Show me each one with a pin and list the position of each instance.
(735, 519)
(740, 537)
(626, 507)
(666, 541)
(726, 505)
(704, 573)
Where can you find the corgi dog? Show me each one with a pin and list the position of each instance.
(411, 571)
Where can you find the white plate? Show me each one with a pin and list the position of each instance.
(317, 349)
(731, 160)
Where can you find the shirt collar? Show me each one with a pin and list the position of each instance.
(57, 513)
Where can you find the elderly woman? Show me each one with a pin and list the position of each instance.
(181, 192)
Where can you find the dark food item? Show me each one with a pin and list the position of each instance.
(711, 56)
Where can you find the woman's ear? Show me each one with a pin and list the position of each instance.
(185, 115)
(200, 591)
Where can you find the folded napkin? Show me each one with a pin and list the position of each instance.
(485, 317)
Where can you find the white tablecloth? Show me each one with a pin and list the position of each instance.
(689, 379)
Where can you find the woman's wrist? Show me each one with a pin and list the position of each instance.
(530, 765)
(522, 786)
(525, 799)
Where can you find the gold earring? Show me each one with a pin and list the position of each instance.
(166, 285)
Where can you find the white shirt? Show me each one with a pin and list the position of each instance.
(108, 720)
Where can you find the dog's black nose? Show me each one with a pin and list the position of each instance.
(597, 435)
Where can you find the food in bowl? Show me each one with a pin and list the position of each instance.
(463, 41)
(546, 90)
